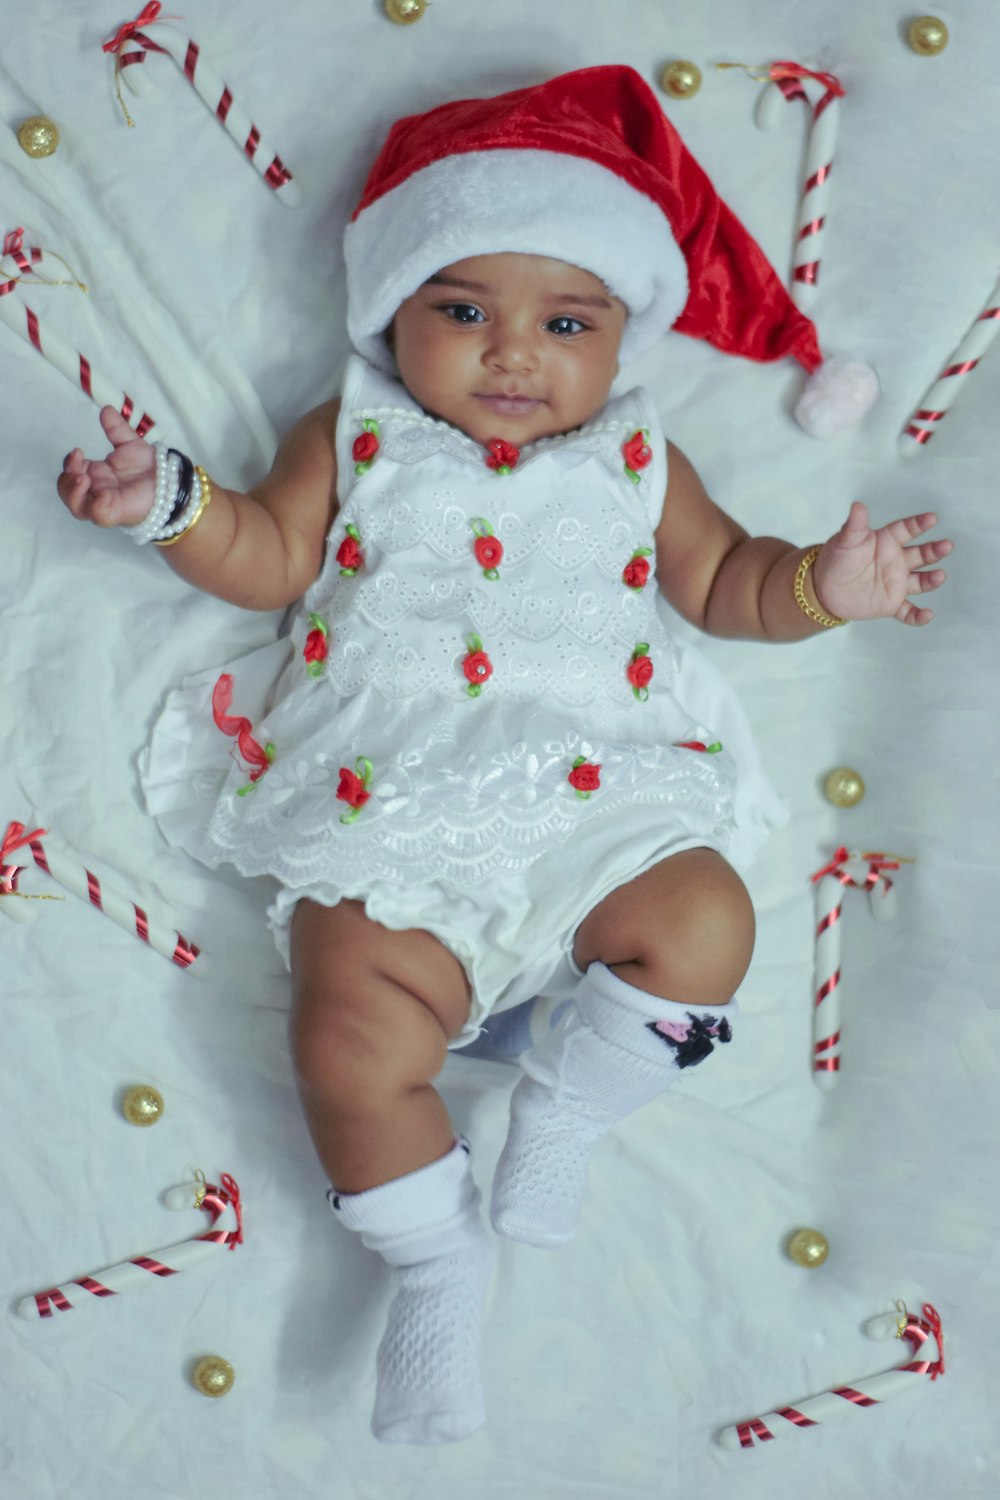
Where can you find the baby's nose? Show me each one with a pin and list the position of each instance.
(512, 350)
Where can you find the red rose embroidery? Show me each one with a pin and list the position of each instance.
(502, 456)
(585, 777)
(352, 789)
(349, 553)
(637, 453)
(316, 648)
(476, 665)
(355, 788)
(636, 572)
(488, 550)
(640, 671)
(365, 448)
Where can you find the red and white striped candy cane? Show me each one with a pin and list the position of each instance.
(225, 1210)
(18, 261)
(70, 872)
(942, 395)
(843, 870)
(926, 1341)
(217, 95)
(822, 93)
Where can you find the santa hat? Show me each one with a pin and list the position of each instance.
(584, 168)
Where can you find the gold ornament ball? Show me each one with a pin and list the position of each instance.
(213, 1376)
(38, 136)
(928, 36)
(142, 1105)
(807, 1247)
(405, 12)
(681, 80)
(844, 787)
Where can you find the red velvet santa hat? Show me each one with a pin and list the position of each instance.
(584, 168)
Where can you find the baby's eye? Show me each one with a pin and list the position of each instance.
(565, 326)
(463, 312)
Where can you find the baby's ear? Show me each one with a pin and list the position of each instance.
(390, 336)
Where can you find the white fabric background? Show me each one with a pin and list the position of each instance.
(611, 1364)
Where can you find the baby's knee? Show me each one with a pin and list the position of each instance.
(704, 958)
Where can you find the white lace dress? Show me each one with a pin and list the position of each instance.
(478, 725)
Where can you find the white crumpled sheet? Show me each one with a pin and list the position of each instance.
(609, 1365)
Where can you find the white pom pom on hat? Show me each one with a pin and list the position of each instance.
(584, 168)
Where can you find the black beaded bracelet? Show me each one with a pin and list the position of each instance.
(185, 482)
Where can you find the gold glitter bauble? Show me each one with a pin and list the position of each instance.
(844, 787)
(213, 1376)
(405, 12)
(807, 1247)
(928, 36)
(38, 136)
(142, 1105)
(680, 79)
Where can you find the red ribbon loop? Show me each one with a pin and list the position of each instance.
(129, 29)
(780, 70)
(231, 1193)
(15, 836)
(13, 242)
(250, 749)
(834, 867)
(933, 1320)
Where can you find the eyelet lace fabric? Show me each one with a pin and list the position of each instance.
(466, 790)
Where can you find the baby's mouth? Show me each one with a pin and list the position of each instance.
(509, 405)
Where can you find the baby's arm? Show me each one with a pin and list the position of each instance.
(729, 583)
(260, 550)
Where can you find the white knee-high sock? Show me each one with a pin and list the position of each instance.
(427, 1226)
(617, 1049)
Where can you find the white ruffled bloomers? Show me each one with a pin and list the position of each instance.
(469, 827)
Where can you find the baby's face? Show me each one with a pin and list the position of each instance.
(510, 346)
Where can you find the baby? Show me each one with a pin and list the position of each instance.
(475, 779)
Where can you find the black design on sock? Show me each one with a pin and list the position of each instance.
(692, 1044)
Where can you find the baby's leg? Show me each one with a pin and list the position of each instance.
(373, 1013)
(662, 957)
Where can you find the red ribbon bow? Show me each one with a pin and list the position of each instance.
(14, 838)
(933, 1320)
(780, 70)
(129, 29)
(876, 864)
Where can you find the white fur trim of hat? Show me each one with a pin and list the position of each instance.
(525, 201)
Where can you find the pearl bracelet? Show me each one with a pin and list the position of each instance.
(168, 470)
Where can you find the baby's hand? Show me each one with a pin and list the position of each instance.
(861, 574)
(118, 490)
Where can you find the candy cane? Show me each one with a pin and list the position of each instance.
(217, 95)
(942, 395)
(926, 1342)
(220, 1203)
(822, 93)
(830, 884)
(17, 262)
(66, 870)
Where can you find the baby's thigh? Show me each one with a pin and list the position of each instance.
(684, 929)
(349, 970)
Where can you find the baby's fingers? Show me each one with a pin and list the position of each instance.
(905, 529)
(911, 614)
(927, 552)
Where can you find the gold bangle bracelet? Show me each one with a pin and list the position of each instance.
(203, 504)
(819, 615)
